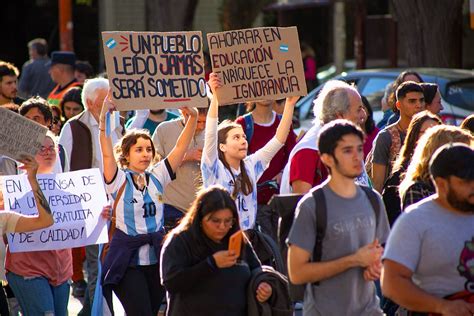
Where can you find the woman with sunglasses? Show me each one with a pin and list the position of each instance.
(200, 274)
(39, 279)
(224, 159)
(130, 267)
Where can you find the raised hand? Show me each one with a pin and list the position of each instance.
(214, 82)
(292, 100)
(30, 165)
(189, 111)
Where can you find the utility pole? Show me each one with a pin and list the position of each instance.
(65, 25)
(359, 36)
(339, 35)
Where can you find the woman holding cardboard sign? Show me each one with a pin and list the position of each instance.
(225, 161)
(39, 279)
(130, 267)
(200, 273)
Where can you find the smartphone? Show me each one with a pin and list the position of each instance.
(235, 242)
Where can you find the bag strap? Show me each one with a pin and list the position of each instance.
(374, 201)
(321, 223)
(248, 126)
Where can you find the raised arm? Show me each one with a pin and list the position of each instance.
(286, 120)
(44, 218)
(108, 159)
(176, 155)
(214, 83)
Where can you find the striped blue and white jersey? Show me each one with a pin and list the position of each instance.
(214, 172)
(141, 212)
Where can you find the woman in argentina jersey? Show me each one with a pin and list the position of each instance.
(224, 158)
(131, 265)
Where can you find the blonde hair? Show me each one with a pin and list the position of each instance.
(432, 139)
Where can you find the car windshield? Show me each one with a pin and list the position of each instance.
(461, 94)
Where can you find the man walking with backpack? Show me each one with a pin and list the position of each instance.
(335, 241)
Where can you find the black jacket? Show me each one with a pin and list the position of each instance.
(279, 304)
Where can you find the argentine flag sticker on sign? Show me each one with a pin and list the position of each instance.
(283, 48)
(111, 43)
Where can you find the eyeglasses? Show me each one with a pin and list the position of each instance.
(46, 150)
(228, 222)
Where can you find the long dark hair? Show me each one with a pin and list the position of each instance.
(369, 125)
(223, 129)
(413, 134)
(208, 201)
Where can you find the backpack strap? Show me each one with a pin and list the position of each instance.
(248, 126)
(374, 201)
(112, 225)
(321, 223)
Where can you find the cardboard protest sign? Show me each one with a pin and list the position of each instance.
(76, 200)
(150, 70)
(257, 64)
(19, 135)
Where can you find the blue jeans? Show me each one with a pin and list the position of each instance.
(37, 297)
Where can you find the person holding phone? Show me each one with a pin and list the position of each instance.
(199, 272)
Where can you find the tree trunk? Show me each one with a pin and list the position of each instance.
(168, 16)
(430, 31)
(239, 14)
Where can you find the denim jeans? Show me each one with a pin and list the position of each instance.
(37, 297)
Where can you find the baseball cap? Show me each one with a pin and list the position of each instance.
(454, 159)
(62, 57)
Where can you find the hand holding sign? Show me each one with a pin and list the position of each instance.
(214, 83)
(30, 165)
(188, 111)
(107, 106)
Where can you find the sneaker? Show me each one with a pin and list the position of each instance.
(79, 288)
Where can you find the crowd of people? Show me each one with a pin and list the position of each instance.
(385, 221)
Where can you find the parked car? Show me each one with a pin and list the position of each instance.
(456, 87)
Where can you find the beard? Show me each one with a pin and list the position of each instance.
(346, 173)
(458, 203)
(156, 111)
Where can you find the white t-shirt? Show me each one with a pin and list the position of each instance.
(214, 172)
(141, 212)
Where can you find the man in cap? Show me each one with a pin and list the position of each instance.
(429, 254)
(62, 72)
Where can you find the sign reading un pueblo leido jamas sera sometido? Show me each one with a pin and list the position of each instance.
(155, 70)
(257, 64)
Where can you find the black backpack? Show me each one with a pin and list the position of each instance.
(285, 205)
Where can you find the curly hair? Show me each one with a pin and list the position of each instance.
(435, 137)
(122, 148)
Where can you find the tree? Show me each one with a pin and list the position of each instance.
(167, 16)
(431, 31)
